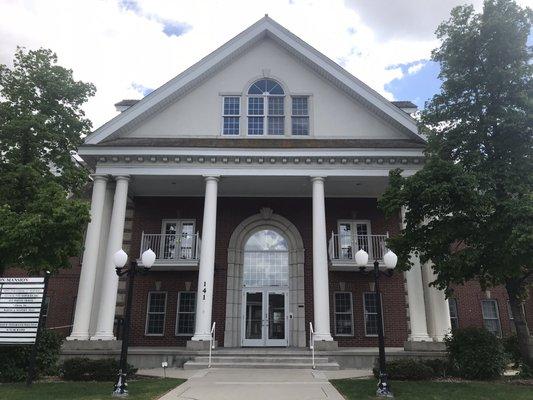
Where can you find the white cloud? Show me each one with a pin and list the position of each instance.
(121, 49)
(413, 69)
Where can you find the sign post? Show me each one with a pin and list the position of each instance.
(21, 308)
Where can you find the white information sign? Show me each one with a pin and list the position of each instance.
(20, 307)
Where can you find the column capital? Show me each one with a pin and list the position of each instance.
(100, 177)
(318, 178)
(208, 178)
(121, 177)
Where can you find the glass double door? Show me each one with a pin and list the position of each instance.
(264, 317)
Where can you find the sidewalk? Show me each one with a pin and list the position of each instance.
(255, 384)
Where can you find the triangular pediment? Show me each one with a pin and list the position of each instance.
(264, 31)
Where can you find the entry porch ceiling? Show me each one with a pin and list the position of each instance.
(254, 186)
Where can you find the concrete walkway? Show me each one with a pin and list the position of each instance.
(255, 384)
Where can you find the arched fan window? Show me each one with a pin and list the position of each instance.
(266, 260)
(266, 108)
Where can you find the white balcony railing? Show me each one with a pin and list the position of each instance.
(342, 248)
(172, 248)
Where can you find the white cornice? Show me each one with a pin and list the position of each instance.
(243, 152)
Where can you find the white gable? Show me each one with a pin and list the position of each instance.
(190, 105)
(333, 114)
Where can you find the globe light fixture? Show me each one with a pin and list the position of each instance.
(120, 258)
(148, 258)
(390, 259)
(361, 258)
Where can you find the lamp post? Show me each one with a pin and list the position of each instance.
(389, 259)
(120, 259)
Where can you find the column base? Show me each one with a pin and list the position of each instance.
(91, 345)
(424, 346)
(198, 345)
(77, 336)
(420, 338)
(103, 336)
(201, 337)
(326, 345)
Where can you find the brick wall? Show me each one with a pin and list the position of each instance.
(147, 217)
(149, 211)
(469, 298)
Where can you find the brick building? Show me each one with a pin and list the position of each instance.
(254, 177)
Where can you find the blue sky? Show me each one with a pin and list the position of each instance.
(419, 86)
(129, 47)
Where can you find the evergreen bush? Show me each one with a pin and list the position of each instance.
(476, 353)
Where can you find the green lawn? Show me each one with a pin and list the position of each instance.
(364, 389)
(144, 389)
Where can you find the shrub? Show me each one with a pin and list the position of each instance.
(510, 346)
(85, 369)
(407, 369)
(476, 353)
(14, 359)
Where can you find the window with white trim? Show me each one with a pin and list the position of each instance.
(266, 108)
(231, 114)
(491, 316)
(300, 115)
(178, 239)
(454, 315)
(353, 235)
(343, 306)
(186, 314)
(370, 308)
(155, 313)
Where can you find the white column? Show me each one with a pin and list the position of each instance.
(84, 300)
(415, 296)
(108, 299)
(206, 272)
(417, 307)
(320, 263)
(438, 312)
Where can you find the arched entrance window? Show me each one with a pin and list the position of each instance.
(265, 289)
(266, 260)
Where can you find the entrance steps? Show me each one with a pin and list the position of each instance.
(262, 358)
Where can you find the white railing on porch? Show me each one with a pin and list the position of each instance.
(211, 343)
(172, 247)
(343, 247)
(312, 343)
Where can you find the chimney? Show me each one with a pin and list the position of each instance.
(125, 104)
(406, 106)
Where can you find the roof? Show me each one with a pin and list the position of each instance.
(126, 103)
(265, 27)
(263, 143)
(404, 104)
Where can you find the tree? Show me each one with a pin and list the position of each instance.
(42, 217)
(470, 209)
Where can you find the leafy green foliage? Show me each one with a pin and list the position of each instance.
(412, 369)
(85, 369)
(41, 126)
(407, 369)
(14, 359)
(476, 353)
(470, 209)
